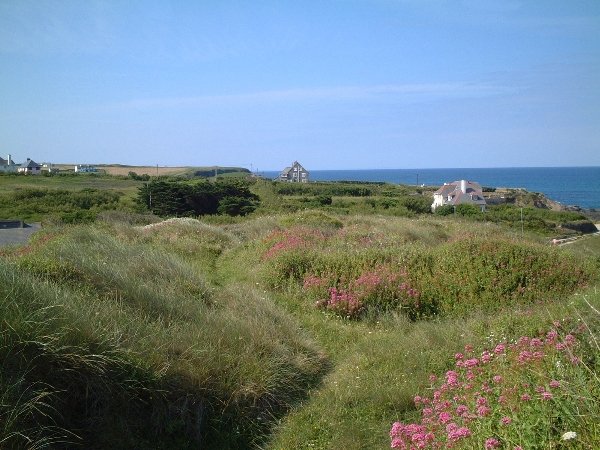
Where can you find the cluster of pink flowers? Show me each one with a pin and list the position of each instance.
(342, 302)
(291, 239)
(491, 388)
(382, 285)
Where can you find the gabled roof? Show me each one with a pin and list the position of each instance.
(3, 162)
(472, 186)
(30, 164)
(286, 171)
(453, 195)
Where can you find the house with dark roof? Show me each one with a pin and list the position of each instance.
(30, 167)
(7, 165)
(294, 174)
(459, 192)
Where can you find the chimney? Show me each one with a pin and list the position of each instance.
(463, 186)
(9, 162)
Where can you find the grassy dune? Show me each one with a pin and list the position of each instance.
(285, 330)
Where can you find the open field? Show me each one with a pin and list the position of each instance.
(144, 170)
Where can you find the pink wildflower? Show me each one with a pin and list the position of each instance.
(546, 395)
(468, 348)
(398, 443)
(525, 397)
(536, 342)
(444, 417)
(560, 346)
(397, 429)
(458, 356)
(458, 433)
(461, 409)
(432, 378)
(500, 348)
(471, 362)
(506, 420)
(486, 357)
(525, 356)
(497, 379)
(570, 339)
(417, 400)
(452, 378)
(483, 411)
(555, 384)
(491, 443)
(551, 335)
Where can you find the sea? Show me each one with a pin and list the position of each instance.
(571, 186)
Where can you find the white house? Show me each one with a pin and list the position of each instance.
(30, 167)
(294, 174)
(7, 165)
(459, 192)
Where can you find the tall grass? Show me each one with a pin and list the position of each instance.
(188, 334)
(145, 352)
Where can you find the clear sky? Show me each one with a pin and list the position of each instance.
(345, 84)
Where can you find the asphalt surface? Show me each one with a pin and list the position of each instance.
(16, 236)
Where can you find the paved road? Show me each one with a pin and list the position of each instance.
(13, 236)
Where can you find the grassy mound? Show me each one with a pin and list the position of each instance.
(417, 270)
(120, 343)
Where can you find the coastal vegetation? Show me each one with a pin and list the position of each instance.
(330, 315)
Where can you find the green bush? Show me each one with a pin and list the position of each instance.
(195, 198)
(444, 210)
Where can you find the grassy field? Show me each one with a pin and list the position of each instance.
(305, 325)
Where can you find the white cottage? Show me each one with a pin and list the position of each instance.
(459, 192)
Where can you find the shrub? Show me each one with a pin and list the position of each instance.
(466, 209)
(184, 198)
(444, 210)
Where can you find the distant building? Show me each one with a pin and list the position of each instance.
(459, 192)
(47, 167)
(294, 174)
(8, 165)
(30, 167)
(85, 168)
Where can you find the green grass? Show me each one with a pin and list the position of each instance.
(9, 183)
(128, 334)
(120, 321)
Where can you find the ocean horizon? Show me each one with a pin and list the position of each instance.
(570, 186)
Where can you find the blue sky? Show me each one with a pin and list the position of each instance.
(343, 84)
